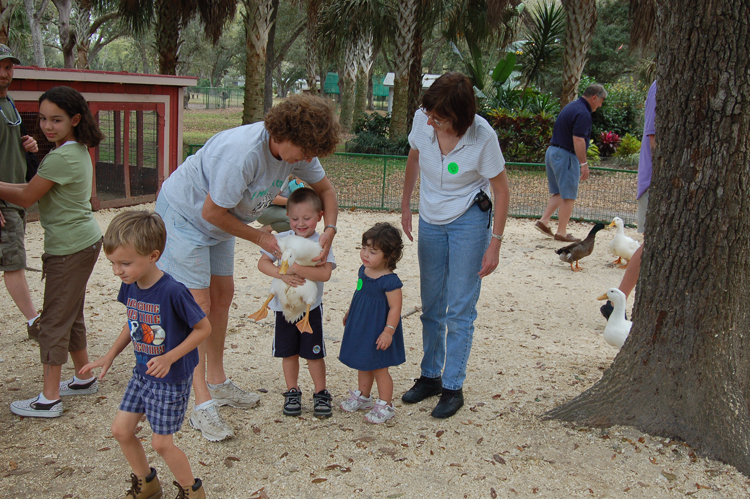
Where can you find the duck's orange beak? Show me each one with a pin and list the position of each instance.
(284, 267)
(603, 297)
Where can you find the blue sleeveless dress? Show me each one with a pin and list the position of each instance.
(366, 321)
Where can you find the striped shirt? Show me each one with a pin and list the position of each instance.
(449, 183)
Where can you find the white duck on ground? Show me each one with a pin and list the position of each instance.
(618, 327)
(295, 301)
(622, 246)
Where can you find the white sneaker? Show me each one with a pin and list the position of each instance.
(356, 402)
(69, 388)
(380, 413)
(211, 424)
(231, 394)
(31, 409)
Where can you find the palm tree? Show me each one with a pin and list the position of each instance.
(312, 62)
(258, 17)
(542, 34)
(168, 16)
(406, 24)
(581, 16)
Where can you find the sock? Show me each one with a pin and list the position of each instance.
(205, 405)
(214, 387)
(31, 322)
(44, 400)
(79, 381)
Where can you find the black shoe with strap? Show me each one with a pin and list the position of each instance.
(293, 402)
(450, 402)
(423, 388)
(322, 404)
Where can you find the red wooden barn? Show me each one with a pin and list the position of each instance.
(141, 116)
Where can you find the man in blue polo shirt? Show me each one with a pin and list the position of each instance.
(566, 160)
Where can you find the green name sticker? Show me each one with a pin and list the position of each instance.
(452, 168)
(359, 284)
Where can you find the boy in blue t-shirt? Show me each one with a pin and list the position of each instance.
(165, 326)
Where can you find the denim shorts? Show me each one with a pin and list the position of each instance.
(288, 341)
(164, 404)
(563, 172)
(190, 256)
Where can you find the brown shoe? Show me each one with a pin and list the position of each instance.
(543, 229)
(567, 238)
(147, 487)
(193, 492)
(34, 329)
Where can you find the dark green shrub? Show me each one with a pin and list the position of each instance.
(622, 111)
(372, 137)
(524, 136)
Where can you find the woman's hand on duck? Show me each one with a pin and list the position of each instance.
(269, 243)
(325, 242)
(491, 259)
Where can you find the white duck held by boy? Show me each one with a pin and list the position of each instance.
(621, 245)
(295, 301)
(618, 327)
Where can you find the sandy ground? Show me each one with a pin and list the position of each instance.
(537, 343)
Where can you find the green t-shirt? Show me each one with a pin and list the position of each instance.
(12, 154)
(65, 210)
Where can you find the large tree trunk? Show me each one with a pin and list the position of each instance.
(312, 63)
(581, 20)
(406, 21)
(6, 12)
(36, 31)
(67, 35)
(364, 64)
(347, 82)
(270, 56)
(258, 15)
(415, 77)
(684, 372)
(167, 36)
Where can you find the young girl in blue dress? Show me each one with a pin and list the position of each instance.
(373, 337)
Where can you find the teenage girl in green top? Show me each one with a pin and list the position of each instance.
(72, 241)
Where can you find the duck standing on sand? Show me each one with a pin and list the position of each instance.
(618, 326)
(621, 245)
(577, 251)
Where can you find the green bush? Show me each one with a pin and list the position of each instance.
(629, 146)
(372, 137)
(524, 136)
(592, 155)
(622, 111)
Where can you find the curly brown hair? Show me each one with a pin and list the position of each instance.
(307, 121)
(386, 238)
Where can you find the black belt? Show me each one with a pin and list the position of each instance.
(564, 148)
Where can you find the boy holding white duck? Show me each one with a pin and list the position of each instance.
(292, 341)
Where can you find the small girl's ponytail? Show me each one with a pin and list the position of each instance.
(72, 102)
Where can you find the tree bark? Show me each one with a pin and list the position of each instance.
(257, 26)
(581, 20)
(167, 36)
(312, 63)
(67, 35)
(36, 30)
(415, 77)
(364, 64)
(270, 55)
(684, 372)
(406, 21)
(347, 83)
(6, 12)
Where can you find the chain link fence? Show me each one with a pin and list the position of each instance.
(375, 182)
(215, 97)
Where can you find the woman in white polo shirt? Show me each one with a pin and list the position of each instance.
(458, 157)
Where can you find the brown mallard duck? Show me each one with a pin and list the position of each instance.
(576, 251)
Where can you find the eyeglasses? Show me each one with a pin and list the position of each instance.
(15, 122)
(436, 121)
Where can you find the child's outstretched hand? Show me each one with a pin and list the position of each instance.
(292, 280)
(158, 367)
(104, 362)
(384, 340)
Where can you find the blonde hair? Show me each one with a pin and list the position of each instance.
(142, 229)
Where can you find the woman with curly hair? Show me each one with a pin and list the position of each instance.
(210, 200)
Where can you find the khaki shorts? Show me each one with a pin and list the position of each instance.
(63, 328)
(12, 250)
(642, 210)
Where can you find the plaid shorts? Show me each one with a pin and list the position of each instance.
(164, 404)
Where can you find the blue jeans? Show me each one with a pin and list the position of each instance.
(450, 257)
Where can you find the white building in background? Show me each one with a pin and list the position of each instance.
(390, 77)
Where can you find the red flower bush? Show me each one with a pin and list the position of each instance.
(607, 143)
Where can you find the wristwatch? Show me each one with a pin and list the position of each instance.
(335, 230)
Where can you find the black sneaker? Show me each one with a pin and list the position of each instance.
(450, 402)
(322, 404)
(423, 388)
(607, 310)
(293, 402)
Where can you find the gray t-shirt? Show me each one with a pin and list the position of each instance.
(237, 168)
